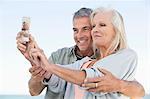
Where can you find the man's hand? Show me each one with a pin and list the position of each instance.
(38, 73)
(24, 49)
(106, 83)
(35, 83)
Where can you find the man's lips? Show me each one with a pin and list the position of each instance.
(82, 41)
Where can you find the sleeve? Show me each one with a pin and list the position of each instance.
(56, 84)
(122, 65)
(54, 57)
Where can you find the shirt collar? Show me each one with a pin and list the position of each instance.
(73, 52)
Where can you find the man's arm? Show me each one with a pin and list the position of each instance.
(131, 88)
(37, 73)
(35, 84)
(109, 83)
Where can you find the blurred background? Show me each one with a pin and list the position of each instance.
(51, 25)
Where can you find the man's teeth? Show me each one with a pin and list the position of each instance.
(83, 41)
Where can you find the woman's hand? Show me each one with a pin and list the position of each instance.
(38, 57)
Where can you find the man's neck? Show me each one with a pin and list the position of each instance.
(84, 53)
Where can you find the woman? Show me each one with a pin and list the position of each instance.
(109, 38)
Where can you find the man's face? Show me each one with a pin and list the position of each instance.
(82, 33)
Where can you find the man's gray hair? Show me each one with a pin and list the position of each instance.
(83, 12)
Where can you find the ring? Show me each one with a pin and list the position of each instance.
(96, 85)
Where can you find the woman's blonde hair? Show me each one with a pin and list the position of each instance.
(119, 42)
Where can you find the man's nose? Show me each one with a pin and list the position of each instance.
(80, 34)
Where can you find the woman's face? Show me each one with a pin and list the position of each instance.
(103, 31)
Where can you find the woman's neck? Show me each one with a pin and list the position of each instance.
(103, 52)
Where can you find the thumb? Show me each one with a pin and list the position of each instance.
(33, 42)
(104, 71)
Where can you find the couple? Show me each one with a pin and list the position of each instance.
(110, 51)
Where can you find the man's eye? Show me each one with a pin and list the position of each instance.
(86, 29)
(102, 24)
(74, 30)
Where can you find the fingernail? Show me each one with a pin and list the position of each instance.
(85, 80)
(83, 85)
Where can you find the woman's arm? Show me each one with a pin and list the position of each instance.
(73, 76)
(70, 75)
(121, 65)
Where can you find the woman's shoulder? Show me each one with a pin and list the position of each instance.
(85, 59)
(127, 51)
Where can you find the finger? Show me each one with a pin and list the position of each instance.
(31, 38)
(22, 50)
(92, 80)
(34, 62)
(104, 71)
(35, 56)
(36, 45)
(88, 85)
(47, 75)
(19, 40)
(43, 72)
(19, 35)
(36, 53)
(21, 45)
(96, 89)
(37, 71)
(101, 89)
(93, 90)
(33, 50)
(32, 69)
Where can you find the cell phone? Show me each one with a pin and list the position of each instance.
(25, 23)
(25, 30)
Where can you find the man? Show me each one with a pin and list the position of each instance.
(82, 36)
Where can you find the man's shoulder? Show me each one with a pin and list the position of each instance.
(63, 56)
(64, 50)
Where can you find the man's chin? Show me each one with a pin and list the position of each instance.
(83, 48)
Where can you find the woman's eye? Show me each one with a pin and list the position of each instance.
(93, 26)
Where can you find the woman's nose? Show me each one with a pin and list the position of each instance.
(94, 30)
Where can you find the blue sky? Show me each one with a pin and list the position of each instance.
(51, 25)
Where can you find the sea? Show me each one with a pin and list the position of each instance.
(37, 97)
(20, 97)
